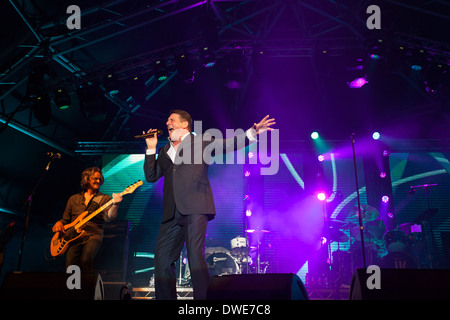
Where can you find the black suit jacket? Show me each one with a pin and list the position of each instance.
(186, 181)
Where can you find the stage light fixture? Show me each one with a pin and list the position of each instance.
(357, 83)
(111, 84)
(385, 199)
(321, 158)
(208, 58)
(321, 196)
(314, 135)
(42, 108)
(92, 102)
(186, 68)
(356, 75)
(376, 51)
(161, 72)
(376, 135)
(62, 99)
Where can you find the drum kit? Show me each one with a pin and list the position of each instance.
(403, 247)
(236, 260)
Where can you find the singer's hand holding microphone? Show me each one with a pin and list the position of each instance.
(151, 138)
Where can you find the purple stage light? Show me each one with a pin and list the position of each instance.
(385, 199)
(357, 83)
(248, 213)
(382, 175)
(247, 174)
(321, 157)
(321, 196)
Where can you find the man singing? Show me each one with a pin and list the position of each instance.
(188, 202)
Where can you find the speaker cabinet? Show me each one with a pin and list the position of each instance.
(49, 286)
(402, 284)
(112, 258)
(271, 286)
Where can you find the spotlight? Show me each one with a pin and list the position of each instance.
(357, 83)
(382, 175)
(62, 99)
(315, 135)
(247, 174)
(321, 196)
(321, 158)
(208, 58)
(357, 76)
(160, 71)
(42, 108)
(248, 213)
(390, 215)
(111, 84)
(385, 199)
(376, 135)
(92, 102)
(185, 68)
(376, 51)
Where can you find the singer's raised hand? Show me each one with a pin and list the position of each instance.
(151, 141)
(264, 125)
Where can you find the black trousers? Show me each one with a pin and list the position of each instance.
(173, 234)
(82, 252)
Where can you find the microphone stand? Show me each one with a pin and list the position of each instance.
(425, 217)
(27, 204)
(361, 227)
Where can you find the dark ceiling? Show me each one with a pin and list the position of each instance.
(286, 58)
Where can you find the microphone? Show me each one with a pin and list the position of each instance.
(54, 155)
(149, 134)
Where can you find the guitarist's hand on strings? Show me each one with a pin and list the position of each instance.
(58, 227)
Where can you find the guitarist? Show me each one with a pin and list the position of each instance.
(82, 251)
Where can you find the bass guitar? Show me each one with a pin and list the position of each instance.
(61, 240)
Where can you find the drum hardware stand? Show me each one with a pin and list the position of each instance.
(361, 228)
(425, 216)
(258, 254)
(326, 226)
(181, 267)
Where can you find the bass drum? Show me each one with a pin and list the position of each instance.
(396, 241)
(221, 263)
(398, 260)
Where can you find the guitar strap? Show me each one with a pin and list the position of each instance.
(98, 198)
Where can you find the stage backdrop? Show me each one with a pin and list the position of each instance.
(282, 212)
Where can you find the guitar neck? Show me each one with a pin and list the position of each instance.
(93, 214)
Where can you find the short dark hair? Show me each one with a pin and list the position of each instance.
(185, 116)
(87, 174)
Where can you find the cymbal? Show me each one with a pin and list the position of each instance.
(368, 213)
(256, 231)
(337, 223)
(336, 235)
(371, 232)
